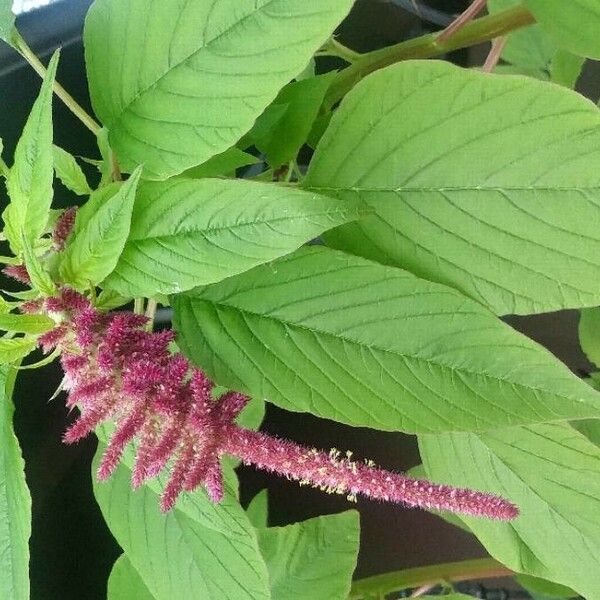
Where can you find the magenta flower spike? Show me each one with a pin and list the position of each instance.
(116, 370)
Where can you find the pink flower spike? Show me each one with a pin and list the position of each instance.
(230, 405)
(126, 431)
(18, 273)
(344, 476)
(63, 228)
(174, 486)
(49, 340)
(214, 482)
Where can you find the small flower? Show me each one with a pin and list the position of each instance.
(116, 370)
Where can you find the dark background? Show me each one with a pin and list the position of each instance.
(72, 551)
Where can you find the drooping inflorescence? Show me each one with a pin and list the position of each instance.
(116, 370)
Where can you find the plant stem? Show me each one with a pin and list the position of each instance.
(484, 568)
(334, 48)
(494, 56)
(28, 54)
(427, 46)
(468, 15)
(151, 313)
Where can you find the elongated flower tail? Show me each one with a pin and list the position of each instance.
(117, 370)
(344, 476)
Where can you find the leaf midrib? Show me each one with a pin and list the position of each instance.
(373, 347)
(240, 224)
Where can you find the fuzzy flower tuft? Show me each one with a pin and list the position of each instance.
(117, 371)
(18, 273)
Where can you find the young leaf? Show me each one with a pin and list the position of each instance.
(187, 232)
(69, 172)
(29, 181)
(125, 583)
(7, 22)
(40, 279)
(552, 473)
(487, 186)
(13, 349)
(99, 235)
(15, 501)
(572, 25)
(177, 554)
(368, 345)
(302, 100)
(214, 69)
(314, 559)
(221, 164)
(25, 323)
(258, 509)
(589, 334)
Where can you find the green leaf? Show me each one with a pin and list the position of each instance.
(101, 228)
(489, 186)
(7, 22)
(312, 560)
(221, 164)
(589, 334)
(565, 68)
(187, 232)
(201, 548)
(13, 349)
(29, 182)
(535, 585)
(528, 48)
(552, 473)
(125, 583)
(258, 509)
(215, 67)
(69, 172)
(25, 323)
(40, 279)
(15, 501)
(369, 345)
(572, 25)
(302, 100)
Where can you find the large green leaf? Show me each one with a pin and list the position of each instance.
(552, 473)
(181, 553)
(178, 82)
(312, 560)
(125, 583)
(188, 232)
(15, 502)
(573, 25)
(99, 234)
(354, 341)
(488, 183)
(29, 182)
